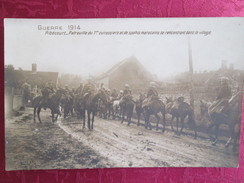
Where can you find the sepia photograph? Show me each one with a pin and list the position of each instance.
(109, 93)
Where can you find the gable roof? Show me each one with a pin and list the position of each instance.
(127, 61)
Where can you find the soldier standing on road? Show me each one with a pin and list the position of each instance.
(26, 91)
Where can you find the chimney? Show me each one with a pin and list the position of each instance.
(34, 67)
(223, 65)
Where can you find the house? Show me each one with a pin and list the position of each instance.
(128, 71)
(15, 79)
(37, 79)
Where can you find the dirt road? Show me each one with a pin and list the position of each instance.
(65, 144)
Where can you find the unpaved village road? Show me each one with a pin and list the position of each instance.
(66, 145)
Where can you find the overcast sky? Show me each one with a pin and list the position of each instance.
(162, 55)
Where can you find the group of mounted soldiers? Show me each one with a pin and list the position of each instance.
(226, 108)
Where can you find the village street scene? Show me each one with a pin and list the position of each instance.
(107, 100)
(126, 132)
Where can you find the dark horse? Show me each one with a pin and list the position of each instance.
(127, 106)
(139, 109)
(180, 110)
(154, 107)
(89, 104)
(232, 118)
(67, 103)
(52, 103)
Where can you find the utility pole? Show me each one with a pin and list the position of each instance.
(191, 92)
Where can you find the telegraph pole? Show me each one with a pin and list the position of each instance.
(190, 74)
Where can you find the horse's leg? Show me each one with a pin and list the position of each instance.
(235, 142)
(195, 130)
(123, 115)
(34, 114)
(84, 118)
(138, 117)
(93, 115)
(231, 134)
(216, 135)
(164, 120)
(88, 119)
(58, 113)
(210, 126)
(53, 117)
(182, 119)
(146, 118)
(130, 113)
(177, 124)
(148, 122)
(38, 114)
(228, 142)
(157, 117)
(109, 111)
(172, 120)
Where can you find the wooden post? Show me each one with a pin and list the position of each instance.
(191, 92)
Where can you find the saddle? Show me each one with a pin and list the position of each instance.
(148, 101)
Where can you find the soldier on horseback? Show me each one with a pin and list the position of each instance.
(114, 94)
(120, 94)
(127, 92)
(79, 89)
(152, 94)
(46, 91)
(224, 94)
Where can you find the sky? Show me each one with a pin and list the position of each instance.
(162, 55)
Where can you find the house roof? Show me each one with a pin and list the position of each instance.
(126, 61)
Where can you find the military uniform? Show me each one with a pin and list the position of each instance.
(222, 99)
(79, 89)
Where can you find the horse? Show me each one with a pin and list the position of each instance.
(127, 106)
(204, 110)
(90, 102)
(180, 110)
(139, 109)
(116, 112)
(232, 117)
(52, 103)
(67, 102)
(109, 106)
(153, 108)
(78, 106)
(102, 109)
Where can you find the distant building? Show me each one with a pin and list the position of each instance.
(129, 71)
(16, 78)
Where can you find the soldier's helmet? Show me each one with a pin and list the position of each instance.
(180, 99)
(152, 84)
(127, 86)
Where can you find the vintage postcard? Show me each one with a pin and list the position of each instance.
(99, 93)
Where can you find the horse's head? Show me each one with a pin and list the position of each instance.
(102, 96)
(169, 100)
